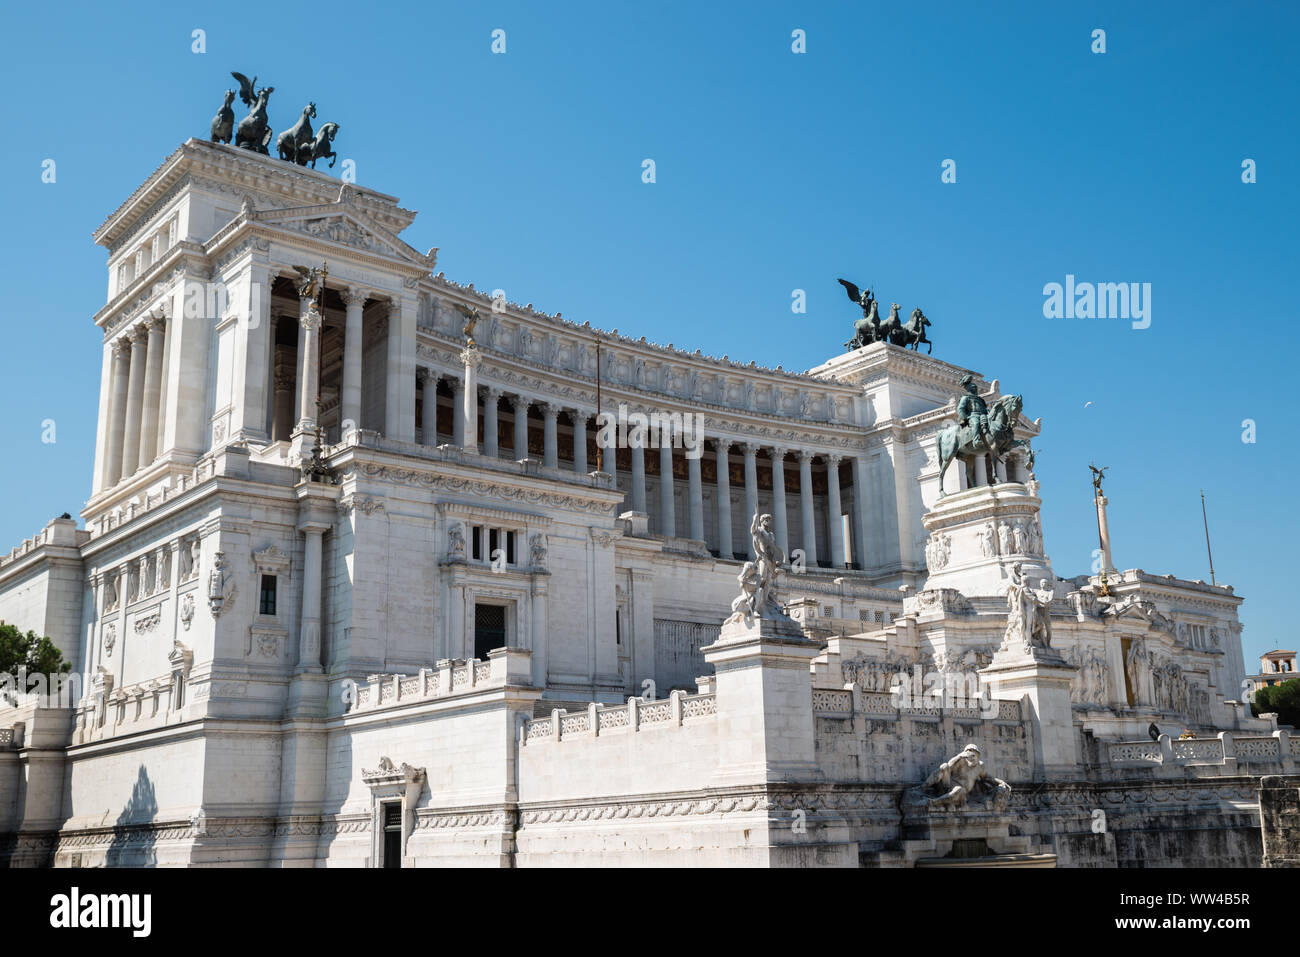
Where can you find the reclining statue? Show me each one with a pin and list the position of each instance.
(964, 777)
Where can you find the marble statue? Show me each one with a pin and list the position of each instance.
(1004, 539)
(1029, 621)
(979, 432)
(221, 584)
(746, 603)
(1020, 538)
(537, 550)
(760, 589)
(962, 779)
(988, 544)
(456, 542)
(1138, 663)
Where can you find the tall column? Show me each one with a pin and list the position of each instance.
(550, 440)
(697, 495)
(807, 509)
(778, 500)
(751, 490)
(860, 510)
(723, 449)
(308, 363)
(491, 399)
(117, 411)
(285, 378)
(636, 494)
(157, 327)
(309, 630)
(667, 506)
(355, 300)
(580, 442)
(834, 523)
(458, 413)
(1103, 531)
(393, 386)
(521, 405)
(134, 401)
(429, 405)
(469, 400)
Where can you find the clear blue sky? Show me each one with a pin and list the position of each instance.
(775, 171)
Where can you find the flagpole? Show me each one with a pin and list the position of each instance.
(1206, 522)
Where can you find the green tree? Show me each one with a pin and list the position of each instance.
(30, 651)
(1283, 698)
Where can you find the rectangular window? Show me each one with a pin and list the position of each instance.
(494, 538)
(489, 629)
(392, 824)
(267, 604)
(510, 548)
(478, 543)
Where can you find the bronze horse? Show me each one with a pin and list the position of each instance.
(962, 442)
(319, 148)
(291, 142)
(253, 132)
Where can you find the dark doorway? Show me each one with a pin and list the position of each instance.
(393, 834)
(489, 629)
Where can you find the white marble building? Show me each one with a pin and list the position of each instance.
(371, 668)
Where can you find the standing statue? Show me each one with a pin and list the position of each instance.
(979, 432)
(1097, 475)
(963, 777)
(1138, 664)
(223, 124)
(471, 320)
(1029, 616)
(310, 280)
(768, 561)
(221, 585)
(746, 604)
(254, 131)
(290, 143)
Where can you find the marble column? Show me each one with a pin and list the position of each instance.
(636, 493)
(134, 401)
(667, 506)
(117, 411)
(393, 380)
(860, 510)
(1103, 531)
(157, 327)
(309, 629)
(355, 300)
(285, 380)
(807, 509)
(309, 319)
(429, 405)
(751, 492)
(491, 399)
(550, 439)
(834, 521)
(725, 546)
(696, 491)
(469, 400)
(521, 404)
(579, 442)
(458, 413)
(780, 525)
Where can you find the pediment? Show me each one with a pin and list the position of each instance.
(344, 223)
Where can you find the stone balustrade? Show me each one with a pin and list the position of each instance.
(1225, 750)
(831, 703)
(505, 666)
(598, 719)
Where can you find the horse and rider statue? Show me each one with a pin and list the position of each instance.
(893, 330)
(298, 144)
(980, 432)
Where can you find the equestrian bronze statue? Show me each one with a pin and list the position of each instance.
(980, 431)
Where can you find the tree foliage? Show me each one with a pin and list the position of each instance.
(1283, 698)
(31, 652)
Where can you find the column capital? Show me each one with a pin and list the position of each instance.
(520, 401)
(579, 415)
(121, 347)
(751, 449)
(492, 393)
(806, 457)
(549, 409)
(721, 445)
(355, 296)
(424, 375)
(139, 333)
(777, 453)
(833, 459)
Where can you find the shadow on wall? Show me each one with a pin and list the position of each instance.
(133, 843)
